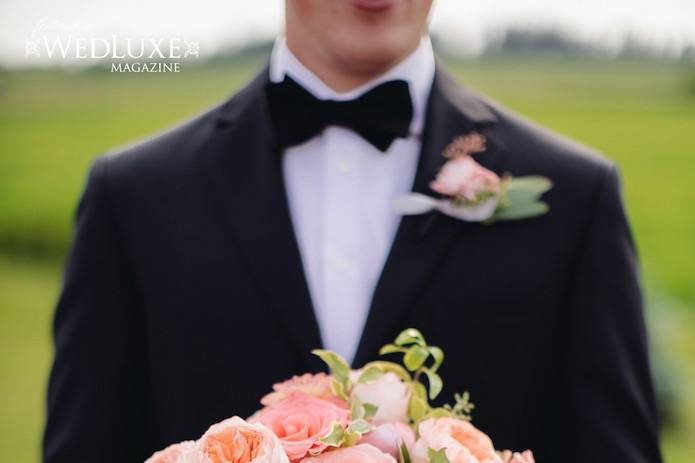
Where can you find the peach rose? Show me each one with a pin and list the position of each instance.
(301, 420)
(171, 454)
(508, 456)
(388, 393)
(462, 177)
(463, 442)
(389, 437)
(237, 441)
(361, 453)
(318, 385)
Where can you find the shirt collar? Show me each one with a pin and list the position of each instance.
(417, 69)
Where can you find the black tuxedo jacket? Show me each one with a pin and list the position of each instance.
(185, 298)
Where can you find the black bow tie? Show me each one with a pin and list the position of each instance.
(380, 115)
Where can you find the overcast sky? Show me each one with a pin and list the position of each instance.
(213, 23)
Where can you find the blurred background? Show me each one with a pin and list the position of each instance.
(618, 76)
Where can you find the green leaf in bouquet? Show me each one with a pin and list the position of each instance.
(390, 367)
(360, 426)
(336, 437)
(370, 373)
(340, 389)
(410, 336)
(338, 366)
(417, 408)
(436, 383)
(415, 357)
(404, 453)
(339, 369)
(438, 356)
(369, 410)
(357, 408)
(439, 412)
(418, 389)
(390, 349)
(437, 456)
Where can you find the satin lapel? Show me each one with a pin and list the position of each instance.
(245, 178)
(422, 241)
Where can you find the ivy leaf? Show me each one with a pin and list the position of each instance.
(370, 373)
(369, 410)
(338, 366)
(390, 367)
(415, 357)
(335, 437)
(437, 456)
(410, 336)
(435, 383)
(360, 427)
(357, 410)
(339, 369)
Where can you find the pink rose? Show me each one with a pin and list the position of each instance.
(318, 385)
(171, 454)
(513, 457)
(301, 420)
(362, 453)
(236, 441)
(462, 177)
(463, 442)
(388, 393)
(389, 437)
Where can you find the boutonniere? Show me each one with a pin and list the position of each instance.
(472, 193)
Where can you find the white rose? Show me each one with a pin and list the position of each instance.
(388, 393)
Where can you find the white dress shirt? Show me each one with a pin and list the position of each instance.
(339, 188)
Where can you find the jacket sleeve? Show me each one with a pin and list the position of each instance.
(610, 414)
(97, 402)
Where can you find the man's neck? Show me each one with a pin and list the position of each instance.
(338, 76)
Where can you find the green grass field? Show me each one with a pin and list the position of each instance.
(52, 124)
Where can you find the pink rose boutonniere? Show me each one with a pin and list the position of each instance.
(472, 193)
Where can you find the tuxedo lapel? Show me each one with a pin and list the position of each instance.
(421, 241)
(246, 181)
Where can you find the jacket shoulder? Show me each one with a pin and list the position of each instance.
(172, 151)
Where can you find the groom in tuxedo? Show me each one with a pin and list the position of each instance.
(210, 259)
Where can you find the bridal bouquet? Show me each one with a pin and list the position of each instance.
(377, 414)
